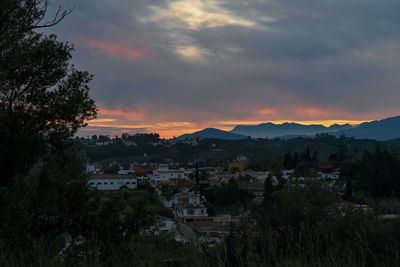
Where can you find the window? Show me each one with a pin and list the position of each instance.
(128, 182)
(111, 182)
(105, 183)
(98, 182)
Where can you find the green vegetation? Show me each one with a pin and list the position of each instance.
(227, 198)
(299, 153)
(43, 98)
(375, 173)
(302, 227)
(168, 191)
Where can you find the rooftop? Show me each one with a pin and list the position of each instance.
(111, 176)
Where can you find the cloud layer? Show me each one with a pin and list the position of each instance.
(176, 65)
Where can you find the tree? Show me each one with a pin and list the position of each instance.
(375, 173)
(125, 136)
(197, 174)
(288, 161)
(308, 155)
(295, 207)
(268, 190)
(43, 98)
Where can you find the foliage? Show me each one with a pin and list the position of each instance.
(118, 216)
(295, 207)
(43, 99)
(309, 233)
(376, 173)
(265, 154)
(227, 197)
(169, 191)
(50, 217)
(46, 203)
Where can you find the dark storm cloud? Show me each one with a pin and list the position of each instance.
(177, 63)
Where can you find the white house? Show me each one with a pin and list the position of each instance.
(165, 224)
(189, 206)
(163, 173)
(122, 171)
(287, 174)
(187, 198)
(333, 176)
(92, 168)
(191, 210)
(106, 182)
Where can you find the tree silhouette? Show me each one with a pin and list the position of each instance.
(43, 98)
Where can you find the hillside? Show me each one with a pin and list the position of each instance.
(385, 129)
(213, 133)
(272, 130)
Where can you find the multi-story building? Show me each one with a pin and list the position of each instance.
(190, 208)
(163, 173)
(106, 182)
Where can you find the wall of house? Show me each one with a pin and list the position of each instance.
(113, 184)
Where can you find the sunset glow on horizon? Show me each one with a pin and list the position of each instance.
(169, 130)
(180, 66)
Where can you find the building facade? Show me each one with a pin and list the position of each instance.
(163, 173)
(109, 182)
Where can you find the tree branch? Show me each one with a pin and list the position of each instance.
(58, 17)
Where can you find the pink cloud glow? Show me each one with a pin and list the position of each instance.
(119, 120)
(128, 114)
(114, 49)
(312, 111)
(266, 111)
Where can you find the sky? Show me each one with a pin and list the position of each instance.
(176, 66)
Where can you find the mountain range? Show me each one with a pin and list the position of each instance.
(385, 129)
(213, 133)
(272, 130)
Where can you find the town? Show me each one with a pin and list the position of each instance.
(199, 133)
(194, 195)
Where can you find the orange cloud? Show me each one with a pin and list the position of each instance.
(129, 114)
(114, 49)
(313, 111)
(119, 120)
(266, 111)
(102, 120)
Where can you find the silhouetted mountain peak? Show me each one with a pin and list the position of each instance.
(385, 129)
(379, 129)
(213, 133)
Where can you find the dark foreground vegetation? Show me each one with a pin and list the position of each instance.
(50, 217)
(66, 224)
(216, 152)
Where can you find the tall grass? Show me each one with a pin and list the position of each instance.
(354, 240)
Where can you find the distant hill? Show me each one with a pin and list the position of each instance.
(213, 133)
(272, 130)
(382, 130)
(385, 129)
